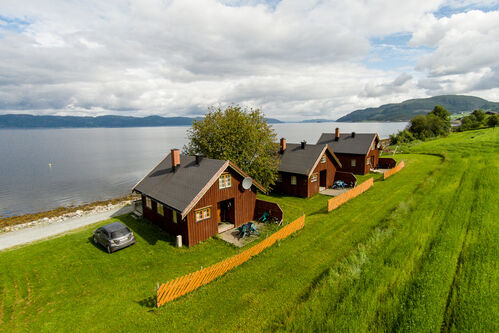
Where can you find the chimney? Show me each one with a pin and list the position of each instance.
(175, 159)
(303, 143)
(283, 145)
(353, 134)
(199, 157)
(337, 134)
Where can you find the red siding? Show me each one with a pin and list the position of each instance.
(304, 186)
(244, 208)
(166, 221)
(272, 208)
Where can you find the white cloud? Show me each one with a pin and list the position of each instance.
(294, 58)
(465, 56)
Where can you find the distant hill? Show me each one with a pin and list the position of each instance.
(320, 120)
(407, 110)
(32, 121)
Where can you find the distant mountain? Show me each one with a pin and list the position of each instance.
(31, 121)
(407, 110)
(273, 121)
(320, 120)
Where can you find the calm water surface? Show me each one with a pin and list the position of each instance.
(91, 164)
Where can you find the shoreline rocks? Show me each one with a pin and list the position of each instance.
(65, 217)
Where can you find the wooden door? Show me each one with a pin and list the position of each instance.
(219, 213)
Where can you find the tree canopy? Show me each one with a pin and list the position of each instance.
(436, 123)
(240, 135)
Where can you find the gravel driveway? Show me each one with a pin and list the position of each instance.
(28, 235)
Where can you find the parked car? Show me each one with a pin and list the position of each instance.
(114, 236)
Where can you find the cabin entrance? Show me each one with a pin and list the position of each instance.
(323, 178)
(225, 215)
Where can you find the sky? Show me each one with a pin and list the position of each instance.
(294, 60)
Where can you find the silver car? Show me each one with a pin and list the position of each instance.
(114, 236)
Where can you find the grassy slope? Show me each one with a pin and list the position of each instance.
(431, 265)
(367, 264)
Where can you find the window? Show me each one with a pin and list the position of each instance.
(174, 216)
(160, 210)
(354, 163)
(368, 161)
(225, 181)
(293, 180)
(323, 159)
(279, 178)
(203, 214)
(313, 179)
(148, 203)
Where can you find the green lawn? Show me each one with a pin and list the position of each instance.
(417, 252)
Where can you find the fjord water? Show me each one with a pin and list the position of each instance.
(41, 169)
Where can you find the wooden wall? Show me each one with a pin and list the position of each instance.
(346, 163)
(313, 187)
(244, 205)
(347, 177)
(374, 153)
(270, 207)
(166, 221)
(285, 187)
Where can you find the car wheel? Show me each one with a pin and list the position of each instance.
(108, 248)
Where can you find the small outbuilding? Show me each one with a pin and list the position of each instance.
(305, 169)
(357, 152)
(192, 196)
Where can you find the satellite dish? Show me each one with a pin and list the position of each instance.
(247, 182)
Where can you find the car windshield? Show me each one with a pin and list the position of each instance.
(120, 233)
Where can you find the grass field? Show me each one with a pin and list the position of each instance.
(417, 252)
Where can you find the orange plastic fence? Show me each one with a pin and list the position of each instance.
(335, 202)
(393, 171)
(185, 284)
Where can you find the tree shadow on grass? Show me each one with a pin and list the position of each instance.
(323, 211)
(149, 302)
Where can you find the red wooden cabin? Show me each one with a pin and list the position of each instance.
(305, 169)
(357, 152)
(191, 195)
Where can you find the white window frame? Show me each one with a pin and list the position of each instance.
(174, 216)
(313, 178)
(353, 162)
(293, 180)
(148, 203)
(323, 158)
(225, 181)
(202, 213)
(160, 209)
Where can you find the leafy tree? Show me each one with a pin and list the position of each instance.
(479, 115)
(493, 120)
(466, 124)
(238, 134)
(435, 123)
(401, 137)
(441, 112)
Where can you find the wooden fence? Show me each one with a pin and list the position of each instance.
(393, 171)
(187, 283)
(335, 202)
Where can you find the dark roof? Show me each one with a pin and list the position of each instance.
(302, 161)
(347, 144)
(115, 226)
(182, 188)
